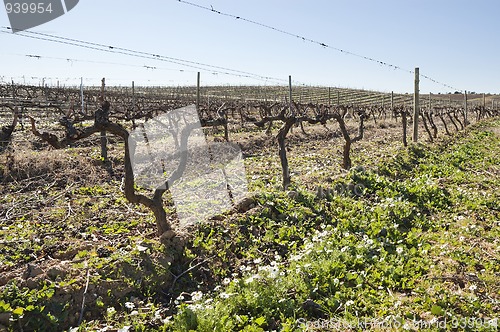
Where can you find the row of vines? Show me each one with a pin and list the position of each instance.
(117, 111)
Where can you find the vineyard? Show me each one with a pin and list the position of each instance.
(348, 218)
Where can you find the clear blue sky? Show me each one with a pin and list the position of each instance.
(452, 41)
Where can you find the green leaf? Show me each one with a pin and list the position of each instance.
(260, 321)
(18, 311)
(351, 276)
(4, 307)
(30, 307)
(437, 310)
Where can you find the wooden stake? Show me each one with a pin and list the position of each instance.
(416, 105)
(466, 105)
(104, 139)
(392, 104)
(103, 86)
(198, 92)
(133, 96)
(81, 95)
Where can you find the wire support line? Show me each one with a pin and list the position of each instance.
(71, 60)
(141, 54)
(324, 45)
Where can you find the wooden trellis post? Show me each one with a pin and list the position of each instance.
(416, 105)
(133, 98)
(198, 92)
(104, 139)
(81, 95)
(392, 105)
(466, 105)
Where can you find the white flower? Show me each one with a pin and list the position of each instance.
(399, 250)
(179, 299)
(129, 305)
(257, 261)
(349, 303)
(225, 295)
(134, 313)
(141, 248)
(226, 281)
(111, 310)
(196, 296)
(252, 278)
(195, 307)
(272, 271)
(124, 329)
(472, 287)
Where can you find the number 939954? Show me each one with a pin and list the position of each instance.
(28, 7)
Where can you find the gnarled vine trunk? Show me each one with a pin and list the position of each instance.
(347, 163)
(154, 204)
